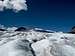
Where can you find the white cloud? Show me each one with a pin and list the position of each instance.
(1, 6)
(16, 5)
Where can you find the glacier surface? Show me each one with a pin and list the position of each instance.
(33, 43)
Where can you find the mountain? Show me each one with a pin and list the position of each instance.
(36, 42)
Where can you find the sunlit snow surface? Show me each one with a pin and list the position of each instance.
(34, 43)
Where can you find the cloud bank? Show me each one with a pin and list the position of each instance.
(15, 5)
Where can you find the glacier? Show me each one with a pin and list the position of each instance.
(35, 43)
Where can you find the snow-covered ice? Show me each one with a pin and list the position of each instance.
(33, 43)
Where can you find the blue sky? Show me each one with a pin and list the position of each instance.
(58, 15)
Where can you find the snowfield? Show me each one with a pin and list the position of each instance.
(33, 43)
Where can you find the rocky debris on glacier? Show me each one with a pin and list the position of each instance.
(21, 29)
(73, 30)
(2, 30)
(36, 43)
